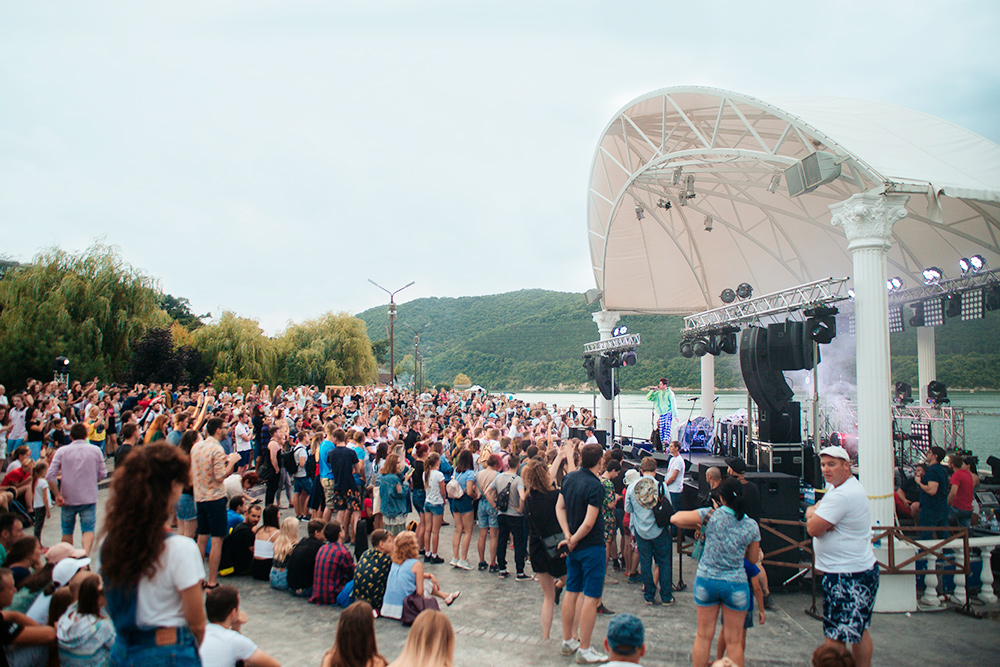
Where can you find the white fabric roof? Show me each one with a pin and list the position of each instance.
(734, 145)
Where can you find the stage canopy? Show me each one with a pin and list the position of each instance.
(737, 147)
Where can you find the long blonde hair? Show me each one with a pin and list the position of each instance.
(431, 642)
(288, 535)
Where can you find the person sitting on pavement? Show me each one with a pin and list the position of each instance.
(263, 544)
(287, 538)
(302, 561)
(626, 641)
(223, 645)
(334, 567)
(237, 547)
(372, 572)
(84, 633)
(431, 641)
(16, 629)
(407, 577)
(355, 644)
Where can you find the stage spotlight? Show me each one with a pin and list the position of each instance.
(62, 365)
(937, 393)
(904, 393)
(918, 314)
(708, 223)
(629, 358)
(932, 275)
(775, 182)
(588, 365)
(687, 350)
(676, 179)
(896, 282)
(664, 204)
(639, 213)
(822, 324)
(728, 296)
(978, 263)
(744, 291)
(965, 265)
(850, 293)
(895, 319)
(713, 345)
(700, 347)
(619, 331)
(727, 343)
(954, 307)
(934, 312)
(972, 304)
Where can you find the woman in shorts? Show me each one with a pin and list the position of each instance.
(461, 509)
(433, 507)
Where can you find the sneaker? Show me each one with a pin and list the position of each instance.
(668, 601)
(559, 592)
(634, 579)
(453, 562)
(482, 565)
(590, 656)
(494, 568)
(616, 565)
(437, 560)
(768, 601)
(521, 576)
(503, 574)
(601, 609)
(569, 647)
(650, 602)
(463, 564)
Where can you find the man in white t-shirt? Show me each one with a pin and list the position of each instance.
(675, 476)
(223, 645)
(244, 441)
(841, 526)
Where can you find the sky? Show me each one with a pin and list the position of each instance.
(270, 158)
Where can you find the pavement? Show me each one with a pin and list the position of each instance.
(497, 622)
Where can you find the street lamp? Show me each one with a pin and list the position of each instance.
(392, 323)
(416, 342)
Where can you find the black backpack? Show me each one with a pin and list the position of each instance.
(289, 463)
(311, 466)
(503, 497)
(663, 509)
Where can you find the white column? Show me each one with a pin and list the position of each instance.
(867, 220)
(986, 592)
(606, 321)
(930, 597)
(707, 385)
(926, 360)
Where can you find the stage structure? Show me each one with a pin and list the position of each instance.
(694, 191)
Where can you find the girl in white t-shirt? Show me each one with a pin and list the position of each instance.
(434, 487)
(41, 498)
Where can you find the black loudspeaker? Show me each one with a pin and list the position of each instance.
(780, 426)
(777, 575)
(811, 472)
(689, 496)
(779, 494)
(581, 433)
(765, 383)
(788, 346)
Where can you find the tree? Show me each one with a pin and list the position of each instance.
(237, 345)
(462, 380)
(91, 307)
(380, 348)
(331, 349)
(179, 309)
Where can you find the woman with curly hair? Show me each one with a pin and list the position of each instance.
(153, 579)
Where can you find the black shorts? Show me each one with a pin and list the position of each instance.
(848, 601)
(211, 518)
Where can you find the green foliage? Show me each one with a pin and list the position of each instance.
(405, 366)
(380, 348)
(222, 379)
(91, 307)
(462, 380)
(237, 345)
(179, 309)
(331, 349)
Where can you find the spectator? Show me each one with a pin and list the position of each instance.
(960, 493)
(223, 645)
(431, 642)
(209, 468)
(238, 546)
(41, 499)
(434, 495)
(461, 510)
(626, 641)
(302, 560)
(407, 576)
(832, 656)
(654, 542)
(334, 567)
(540, 513)
(372, 572)
(130, 439)
(489, 526)
(933, 493)
(355, 644)
(675, 475)
(344, 495)
(16, 629)
(24, 557)
(84, 633)
(263, 546)
(394, 488)
(511, 521)
(11, 530)
(283, 545)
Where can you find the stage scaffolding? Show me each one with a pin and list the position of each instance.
(910, 423)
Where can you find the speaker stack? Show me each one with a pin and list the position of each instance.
(779, 499)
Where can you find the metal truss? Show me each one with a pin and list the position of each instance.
(952, 421)
(817, 293)
(623, 342)
(963, 284)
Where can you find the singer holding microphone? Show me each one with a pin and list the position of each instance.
(666, 408)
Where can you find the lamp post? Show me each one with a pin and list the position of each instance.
(392, 327)
(416, 342)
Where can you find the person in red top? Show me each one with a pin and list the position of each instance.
(960, 495)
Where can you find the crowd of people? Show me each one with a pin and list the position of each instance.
(367, 474)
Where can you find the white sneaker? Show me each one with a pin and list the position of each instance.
(464, 564)
(454, 562)
(589, 656)
(569, 647)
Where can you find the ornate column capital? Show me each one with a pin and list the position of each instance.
(606, 321)
(868, 218)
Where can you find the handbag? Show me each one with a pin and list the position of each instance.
(551, 544)
(454, 489)
(699, 544)
(413, 604)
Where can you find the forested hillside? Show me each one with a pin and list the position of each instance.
(534, 339)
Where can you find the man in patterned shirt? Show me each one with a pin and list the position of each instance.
(209, 468)
(373, 568)
(334, 567)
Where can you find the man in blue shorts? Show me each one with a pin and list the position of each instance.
(579, 513)
(81, 466)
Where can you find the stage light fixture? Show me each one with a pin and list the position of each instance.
(954, 307)
(699, 347)
(62, 365)
(744, 291)
(991, 299)
(972, 304)
(775, 182)
(619, 331)
(917, 320)
(727, 342)
(934, 312)
(688, 192)
(932, 275)
(639, 213)
(588, 365)
(728, 296)
(896, 319)
(850, 293)
(708, 223)
(896, 282)
(978, 263)
(629, 358)
(965, 265)
(686, 349)
(937, 393)
(904, 393)
(676, 178)
(821, 325)
(664, 204)
(713, 347)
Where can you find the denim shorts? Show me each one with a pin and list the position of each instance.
(734, 595)
(461, 505)
(185, 508)
(302, 485)
(585, 570)
(182, 654)
(487, 515)
(87, 514)
(419, 495)
(436, 510)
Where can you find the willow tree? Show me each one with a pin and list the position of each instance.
(237, 346)
(330, 349)
(89, 306)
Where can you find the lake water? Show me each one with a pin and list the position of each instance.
(634, 414)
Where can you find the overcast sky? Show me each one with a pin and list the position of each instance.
(270, 157)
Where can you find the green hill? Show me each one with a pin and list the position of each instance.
(533, 339)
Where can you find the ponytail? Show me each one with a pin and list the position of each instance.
(731, 492)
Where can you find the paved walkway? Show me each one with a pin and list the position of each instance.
(497, 623)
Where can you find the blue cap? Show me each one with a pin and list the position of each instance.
(625, 634)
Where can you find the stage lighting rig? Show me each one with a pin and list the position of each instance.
(821, 325)
(687, 348)
(727, 296)
(932, 275)
(903, 393)
(744, 291)
(639, 213)
(664, 204)
(937, 393)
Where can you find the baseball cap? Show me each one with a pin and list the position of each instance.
(61, 550)
(737, 464)
(626, 634)
(836, 452)
(67, 568)
(631, 475)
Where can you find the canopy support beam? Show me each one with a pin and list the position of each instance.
(606, 321)
(926, 361)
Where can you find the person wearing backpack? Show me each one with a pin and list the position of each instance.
(295, 465)
(508, 489)
(642, 498)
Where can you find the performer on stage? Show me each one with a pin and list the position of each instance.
(666, 408)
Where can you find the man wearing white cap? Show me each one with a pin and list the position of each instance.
(840, 526)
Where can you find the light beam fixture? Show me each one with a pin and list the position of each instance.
(932, 275)
(676, 178)
(639, 213)
(728, 296)
(965, 265)
(708, 223)
(664, 204)
(775, 182)
(744, 291)
(978, 263)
